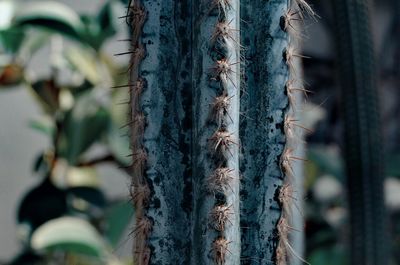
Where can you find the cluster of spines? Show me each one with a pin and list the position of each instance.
(289, 23)
(223, 40)
(140, 192)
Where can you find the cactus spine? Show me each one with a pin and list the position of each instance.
(186, 77)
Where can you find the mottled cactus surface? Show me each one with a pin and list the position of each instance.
(214, 130)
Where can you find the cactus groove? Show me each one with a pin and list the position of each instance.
(195, 66)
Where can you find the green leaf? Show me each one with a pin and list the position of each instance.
(47, 93)
(43, 125)
(107, 21)
(328, 160)
(68, 234)
(41, 203)
(84, 62)
(101, 27)
(117, 218)
(11, 39)
(334, 255)
(34, 40)
(82, 177)
(92, 31)
(84, 125)
(51, 15)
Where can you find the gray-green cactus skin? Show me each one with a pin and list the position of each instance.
(196, 65)
(263, 138)
(363, 146)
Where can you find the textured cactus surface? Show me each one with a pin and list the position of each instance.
(212, 88)
(262, 138)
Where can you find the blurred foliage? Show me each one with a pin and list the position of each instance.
(66, 218)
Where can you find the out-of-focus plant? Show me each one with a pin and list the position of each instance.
(67, 218)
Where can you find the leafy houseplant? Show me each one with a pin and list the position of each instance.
(66, 217)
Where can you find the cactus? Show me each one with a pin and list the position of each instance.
(195, 66)
(362, 133)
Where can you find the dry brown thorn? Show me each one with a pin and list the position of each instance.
(143, 227)
(220, 108)
(289, 19)
(139, 160)
(289, 55)
(138, 122)
(135, 17)
(222, 70)
(284, 229)
(220, 217)
(137, 125)
(138, 54)
(222, 4)
(220, 249)
(140, 195)
(224, 30)
(281, 254)
(222, 141)
(286, 161)
(291, 89)
(136, 89)
(290, 124)
(305, 7)
(220, 179)
(284, 246)
(138, 85)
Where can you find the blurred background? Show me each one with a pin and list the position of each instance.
(56, 71)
